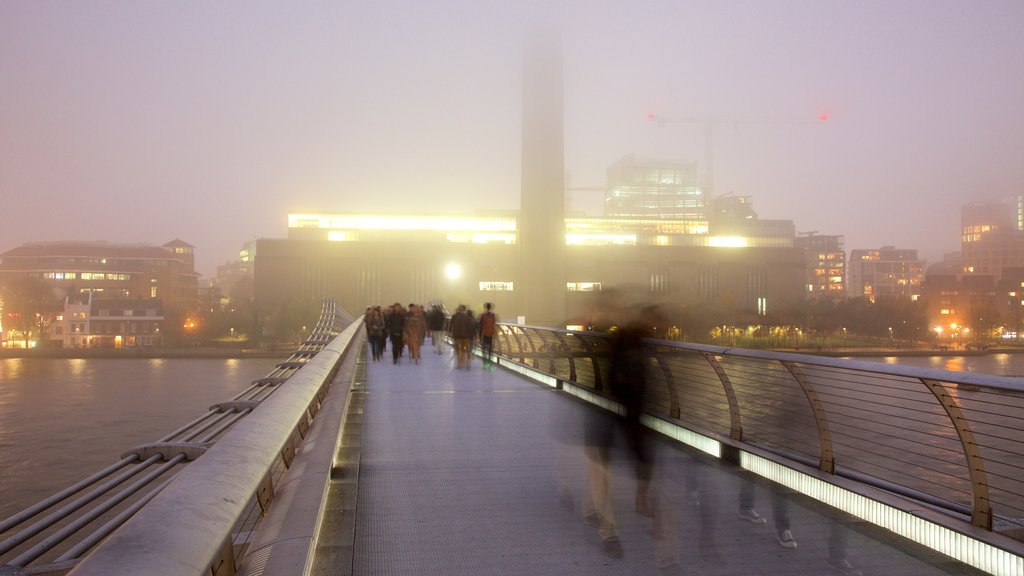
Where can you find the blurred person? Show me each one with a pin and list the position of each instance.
(435, 323)
(415, 327)
(394, 325)
(462, 328)
(488, 326)
(627, 384)
(597, 505)
(375, 332)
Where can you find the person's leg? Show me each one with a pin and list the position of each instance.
(396, 348)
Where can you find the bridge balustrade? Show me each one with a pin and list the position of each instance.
(952, 440)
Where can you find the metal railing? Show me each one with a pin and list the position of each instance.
(53, 536)
(952, 440)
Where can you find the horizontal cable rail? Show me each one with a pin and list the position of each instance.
(53, 535)
(952, 440)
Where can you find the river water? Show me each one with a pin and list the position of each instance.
(995, 364)
(63, 419)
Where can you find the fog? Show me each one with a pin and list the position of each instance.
(146, 121)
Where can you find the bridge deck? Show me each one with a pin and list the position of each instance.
(484, 472)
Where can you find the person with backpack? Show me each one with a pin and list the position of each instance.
(488, 325)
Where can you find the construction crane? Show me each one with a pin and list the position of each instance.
(710, 123)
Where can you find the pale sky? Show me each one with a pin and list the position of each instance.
(138, 121)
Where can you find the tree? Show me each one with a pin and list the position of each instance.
(31, 305)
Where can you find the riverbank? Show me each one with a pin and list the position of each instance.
(909, 352)
(154, 352)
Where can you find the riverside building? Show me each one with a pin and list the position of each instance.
(143, 280)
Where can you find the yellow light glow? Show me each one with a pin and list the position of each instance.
(727, 242)
(453, 271)
(338, 236)
(397, 222)
(600, 239)
(482, 238)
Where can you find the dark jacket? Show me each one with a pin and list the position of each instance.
(462, 326)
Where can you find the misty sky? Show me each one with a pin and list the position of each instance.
(139, 121)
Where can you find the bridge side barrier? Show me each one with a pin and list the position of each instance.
(187, 528)
(50, 536)
(951, 441)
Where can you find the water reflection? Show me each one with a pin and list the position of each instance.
(77, 367)
(61, 419)
(955, 364)
(1001, 364)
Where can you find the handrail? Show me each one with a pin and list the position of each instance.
(84, 513)
(954, 437)
(187, 528)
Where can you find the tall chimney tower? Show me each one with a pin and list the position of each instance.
(542, 200)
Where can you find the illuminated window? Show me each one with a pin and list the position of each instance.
(496, 286)
(583, 286)
(152, 291)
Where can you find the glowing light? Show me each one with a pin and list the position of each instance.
(453, 271)
(599, 239)
(727, 242)
(411, 223)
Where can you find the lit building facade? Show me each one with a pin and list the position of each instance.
(163, 276)
(885, 272)
(826, 265)
(992, 236)
(653, 189)
(90, 322)
(365, 259)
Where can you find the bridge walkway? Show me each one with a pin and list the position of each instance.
(484, 472)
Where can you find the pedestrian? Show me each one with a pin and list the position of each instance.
(375, 332)
(435, 322)
(462, 329)
(414, 328)
(488, 326)
(395, 327)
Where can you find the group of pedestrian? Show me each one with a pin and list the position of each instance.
(403, 327)
(408, 327)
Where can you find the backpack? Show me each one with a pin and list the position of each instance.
(487, 322)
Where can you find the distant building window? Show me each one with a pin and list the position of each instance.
(583, 286)
(496, 286)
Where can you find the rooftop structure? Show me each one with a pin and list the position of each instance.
(885, 272)
(992, 235)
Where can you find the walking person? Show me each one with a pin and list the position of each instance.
(375, 332)
(435, 322)
(414, 329)
(488, 326)
(462, 329)
(395, 327)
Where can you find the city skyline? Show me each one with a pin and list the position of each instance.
(210, 123)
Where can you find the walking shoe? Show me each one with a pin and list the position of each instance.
(611, 547)
(751, 516)
(593, 519)
(844, 567)
(786, 540)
